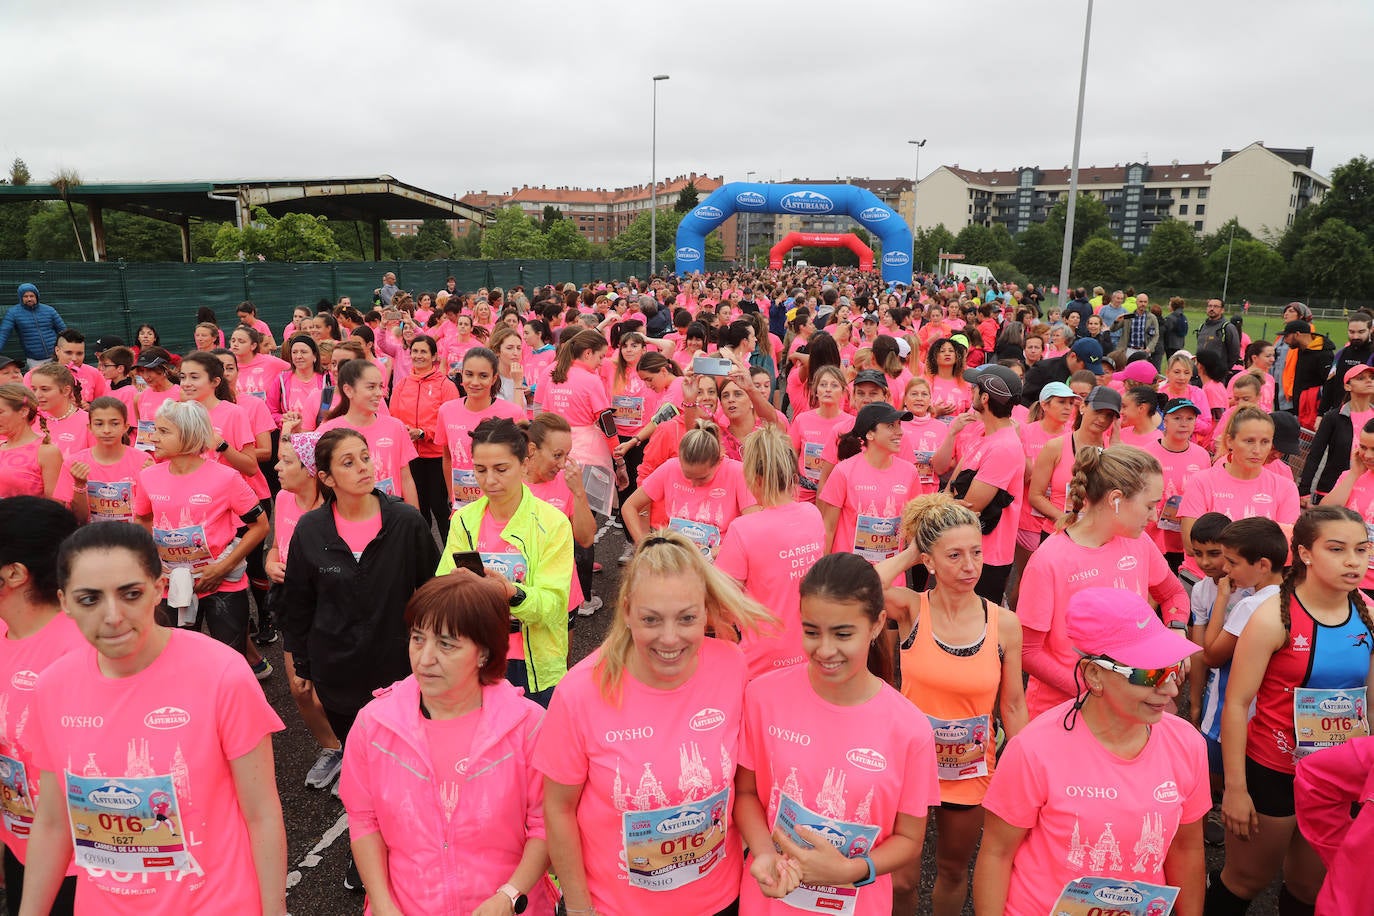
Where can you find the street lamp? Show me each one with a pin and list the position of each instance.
(747, 264)
(914, 181)
(1073, 171)
(653, 184)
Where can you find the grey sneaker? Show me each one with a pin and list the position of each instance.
(589, 607)
(326, 768)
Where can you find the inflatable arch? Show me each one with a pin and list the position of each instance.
(821, 240)
(803, 200)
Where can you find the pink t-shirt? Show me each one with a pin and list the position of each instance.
(870, 501)
(503, 557)
(450, 741)
(1102, 816)
(178, 723)
(999, 461)
(770, 551)
(945, 392)
(1179, 468)
(71, 433)
(1059, 569)
(257, 376)
(234, 424)
(109, 488)
(634, 402)
(852, 769)
(22, 661)
(452, 351)
(651, 756)
(357, 535)
(148, 403)
(286, 515)
(304, 398)
(1362, 501)
(556, 493)
(580, 399)
(195, 515)
(388, 442)
(126, 395)
(20, 473)
(811, 433)
(1126, 435)
(702, 513)
(1215, 490)
(456, 423)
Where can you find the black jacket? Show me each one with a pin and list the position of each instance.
(343, 619)
(1055, 369)
(1314, 364)
(1347, 358)
(1329, 456)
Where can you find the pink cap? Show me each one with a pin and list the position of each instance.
(1356, 370)
(1123, 627)
(1142, 371)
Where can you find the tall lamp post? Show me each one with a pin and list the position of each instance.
(653, 184)
(914, 181)
(1073, 171)
(747, 263)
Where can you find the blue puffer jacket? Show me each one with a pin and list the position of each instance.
(38, 325)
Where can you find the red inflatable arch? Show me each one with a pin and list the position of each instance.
(821, 240)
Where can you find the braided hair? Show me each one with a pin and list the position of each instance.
(1305, 533)
(1097, 471)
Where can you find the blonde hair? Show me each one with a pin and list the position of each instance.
(20, 399)
(1182, 357)
(770, 465)
(667, 553)
(192, 421)
(1098, 471)
(926, 518)
(862, 359)
(701, 445)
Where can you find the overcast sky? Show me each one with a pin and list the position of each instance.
(474, 94)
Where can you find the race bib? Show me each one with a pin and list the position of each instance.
(1109, 897)
(629, 411)
(924, 470)
(1369, 533)
(16, 802)
(185, 546)
(144, 441)
(811, 465)
(849, 838)
(961, 747)
(110, 501)
(126, 824)
(1168, 514)
(510, 565)
(875, 537)
(1326, 718)
(668, 848)
(465, 489)
(706, 536)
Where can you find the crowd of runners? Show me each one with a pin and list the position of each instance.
(1063, 580)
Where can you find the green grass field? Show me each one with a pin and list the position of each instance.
(1267, 326)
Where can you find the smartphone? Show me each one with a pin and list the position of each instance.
(712, 365)
(606, 422)
(665, 413)
(470, 560)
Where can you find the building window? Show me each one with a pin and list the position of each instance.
(1201, 193)
(1182, 209)
(1185, 192)
(1200, 209)
(1197, 225)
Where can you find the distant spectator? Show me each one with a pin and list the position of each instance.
(387, 289)
(1216, 333)
(38, 326)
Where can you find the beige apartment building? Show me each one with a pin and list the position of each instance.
(1262, 187)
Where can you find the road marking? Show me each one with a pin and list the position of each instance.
(312, 858)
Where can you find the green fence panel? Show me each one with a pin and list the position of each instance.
(168, 296)
(90, 297)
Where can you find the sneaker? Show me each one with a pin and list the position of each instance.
(626, 554)
(1213, 833)
(352, 880)
(326, 768)
(262, 670)
(266, 636)
(589, 607)
(615, 523)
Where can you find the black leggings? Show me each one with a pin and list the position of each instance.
(14, 889)
(584, 562)
(341, 722)
(431, 491)
(632, 461)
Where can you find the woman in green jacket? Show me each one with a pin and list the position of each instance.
(527, 545)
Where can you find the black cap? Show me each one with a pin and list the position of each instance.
(1287, 432)
(1296, 326)
(996, 381)
(107, 342)
(872, 377)
(870, 415)
(150, 361)
(1103, 398)
(7, 361)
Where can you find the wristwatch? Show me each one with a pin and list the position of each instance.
(515, 601)
(517, 900)
(222, 447)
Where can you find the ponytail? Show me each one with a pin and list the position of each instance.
(572, 349)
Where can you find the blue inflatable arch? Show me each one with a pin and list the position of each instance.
(803, 200)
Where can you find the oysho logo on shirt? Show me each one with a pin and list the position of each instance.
(1084, 574)
(866, 758)
(1108, 792)
(629, 734)
(786, 734)
(83, 721)
(706, 719)
(167, 717)
(1166, 792)
(23, 680)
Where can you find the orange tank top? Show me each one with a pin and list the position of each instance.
(956, 687)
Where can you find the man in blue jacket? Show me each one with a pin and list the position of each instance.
(38, 326)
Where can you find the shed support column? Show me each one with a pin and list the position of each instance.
(376, 240)
(97, 218)
(184, 224)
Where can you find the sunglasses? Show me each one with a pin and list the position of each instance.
(1143, 677)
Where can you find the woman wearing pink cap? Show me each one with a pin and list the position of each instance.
(1129, 809)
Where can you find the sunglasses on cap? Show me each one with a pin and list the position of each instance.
(1142, 677)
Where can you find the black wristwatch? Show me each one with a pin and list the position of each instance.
(222, 447)
(518, 598)
(518, 900)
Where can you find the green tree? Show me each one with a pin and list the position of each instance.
(469, 246)
(48, 236)
(1171, 257)
(1089, 216)
(1256, 268)
(1335, 261)
(1351, 198)
(1006, 272)
(980, 244)
(292, 237)
(132, 237)
(564, 242)
(1038, 251)
(1223, 236)
(433, 240)
(633, 243)
(929, 243)
(551, 215)
(1099, 262)
(687, 200)
(512, 235)
(14, 217)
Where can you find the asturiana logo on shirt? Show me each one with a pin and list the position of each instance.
(167, 717)
(1126, 564)
(201, 499)
(115, 796)
(706, 719)
(1166, 793)
(23, 680)
(866, 758)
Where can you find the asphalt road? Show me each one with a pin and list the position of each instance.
(317, 830)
